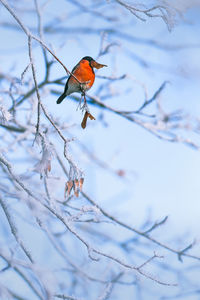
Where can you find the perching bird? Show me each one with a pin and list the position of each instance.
(84, 72)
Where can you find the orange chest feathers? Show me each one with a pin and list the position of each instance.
(85, 73)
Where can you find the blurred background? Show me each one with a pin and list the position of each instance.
(139, 158)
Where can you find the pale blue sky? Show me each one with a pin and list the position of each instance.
(163, 177)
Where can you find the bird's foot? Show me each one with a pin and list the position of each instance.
(83, 107)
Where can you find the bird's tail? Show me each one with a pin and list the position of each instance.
(61, 98)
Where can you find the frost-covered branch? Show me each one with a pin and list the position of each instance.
(61, 237)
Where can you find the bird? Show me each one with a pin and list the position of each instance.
(81, 78)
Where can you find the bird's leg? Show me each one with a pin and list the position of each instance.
(85, 106)
(82, 89)
(84, 103)
(79, 105)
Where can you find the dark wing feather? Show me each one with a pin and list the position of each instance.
(66, 85)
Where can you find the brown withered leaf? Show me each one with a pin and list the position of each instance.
(121, 173)
(91, 117)
(97, 65)
(68, 187)
(49, 167)
(76, 193)
(76, 187)
(76, 183)
(81, 183)
(84, 122)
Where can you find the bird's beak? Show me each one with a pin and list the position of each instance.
(97, 65)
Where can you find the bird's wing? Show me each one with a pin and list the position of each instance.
(73, 70)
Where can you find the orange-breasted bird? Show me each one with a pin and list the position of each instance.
(83, 78)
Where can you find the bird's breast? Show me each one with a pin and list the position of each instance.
(85, 75)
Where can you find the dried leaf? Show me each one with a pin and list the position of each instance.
(68, 187)
(44, 165)
(121, 173)
(76, 183)
(84, 122)
(76, 187)
(91, 117)
(97, 65)
(49, 167)
(76, 193)
(81, 183)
